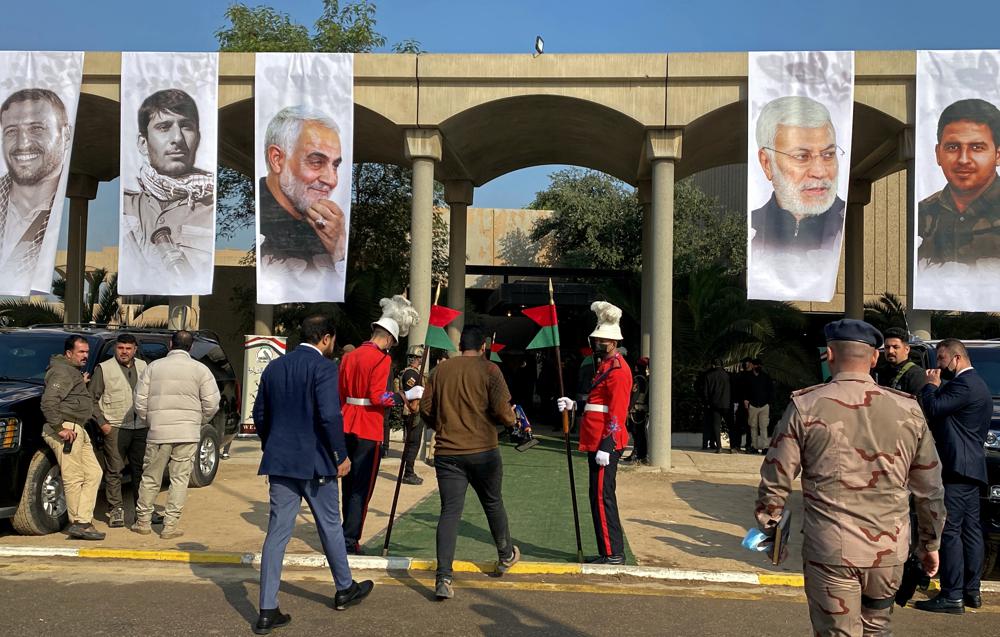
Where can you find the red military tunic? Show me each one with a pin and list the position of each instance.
(364, 378)
(609, 397)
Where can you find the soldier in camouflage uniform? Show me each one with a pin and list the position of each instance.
(861, 449)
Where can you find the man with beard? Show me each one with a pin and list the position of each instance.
(36, 136)
(901, 374)
(303, 235)
(798, 153)
(169, 219)
(961, 223)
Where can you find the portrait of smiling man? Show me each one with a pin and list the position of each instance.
(302, 239)
(961, 222)
(798, 152)
(35, 138)
(169, 220)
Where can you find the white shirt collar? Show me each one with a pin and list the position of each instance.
(315, 348)
(959, 373)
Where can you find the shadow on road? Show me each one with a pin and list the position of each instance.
(236, 592)
(507, 619)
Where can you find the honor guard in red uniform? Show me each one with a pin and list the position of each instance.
(602, 431)
(364, 397)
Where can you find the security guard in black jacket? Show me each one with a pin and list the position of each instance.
(901, 373)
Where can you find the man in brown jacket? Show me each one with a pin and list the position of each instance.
(859, 447)
(464, 401)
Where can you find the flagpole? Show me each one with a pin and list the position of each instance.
(569, 453)
(406, 442)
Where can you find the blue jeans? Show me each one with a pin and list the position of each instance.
(286, 499)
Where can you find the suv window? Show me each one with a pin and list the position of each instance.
(152, 350)
(25, 355)
(211, 355)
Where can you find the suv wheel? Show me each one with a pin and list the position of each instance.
(206, 458)
(43, 503)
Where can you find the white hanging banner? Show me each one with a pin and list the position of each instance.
(39, 93)
(956, 190)
(801, 110)
(304, 119)
(169, 140)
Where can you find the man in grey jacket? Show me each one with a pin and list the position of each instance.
(67, 406)
(175, 395)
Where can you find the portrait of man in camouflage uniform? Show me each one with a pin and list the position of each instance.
(861, 451)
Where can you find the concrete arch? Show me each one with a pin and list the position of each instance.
(501, 136)
(719, 137)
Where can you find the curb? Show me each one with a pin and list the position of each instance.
(406, 564)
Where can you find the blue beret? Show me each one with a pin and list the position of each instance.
(853, 330)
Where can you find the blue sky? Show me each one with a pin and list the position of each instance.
(510, 26)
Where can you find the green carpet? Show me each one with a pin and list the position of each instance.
(536, 495)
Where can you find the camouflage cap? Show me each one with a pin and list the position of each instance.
(415, 351)
(853, 330)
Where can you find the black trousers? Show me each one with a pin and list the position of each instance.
(604, 505)
(358, 486)
(413, 428)
(962, 540)
(711, 431)
(741, 426)
(640, 447)
(484, 471)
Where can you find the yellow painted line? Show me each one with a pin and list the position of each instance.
(164, 556)
(770, 579)
(521, 568)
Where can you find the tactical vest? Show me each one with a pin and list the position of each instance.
(116, 401)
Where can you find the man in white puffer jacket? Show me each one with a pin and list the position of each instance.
(175, 395)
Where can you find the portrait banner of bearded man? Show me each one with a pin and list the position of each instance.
(956, 191)
(304, 106)
(39, 93)
(169, 146)
(798, 156)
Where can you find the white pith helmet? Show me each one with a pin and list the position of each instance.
(608, 316)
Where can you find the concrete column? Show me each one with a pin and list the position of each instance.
(263, 320)
(645, 319)
(663, 148)
(918, 322)
(458, 194)
(80, 189)
(858, 196)
(423, 148)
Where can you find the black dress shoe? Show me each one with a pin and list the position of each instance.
(615, 560)
(353, 594)
(973, 600)
(941, 605)
(84, 532)
(157, 518)
(270, 619)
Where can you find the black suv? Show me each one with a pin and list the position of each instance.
(30, 484)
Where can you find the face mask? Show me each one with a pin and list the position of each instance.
(947, 373)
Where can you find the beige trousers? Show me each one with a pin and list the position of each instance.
(758, 419)
(179, 457)
(81, 473)
(851, 602)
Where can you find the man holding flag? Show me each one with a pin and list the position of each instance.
(364, 397)
(602, 431)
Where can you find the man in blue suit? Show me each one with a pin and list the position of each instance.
(297, 414)
(959, 413)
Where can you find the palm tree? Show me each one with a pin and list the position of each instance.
(888, 311)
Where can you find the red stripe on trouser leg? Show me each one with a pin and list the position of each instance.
(605, 536)
(376, 460)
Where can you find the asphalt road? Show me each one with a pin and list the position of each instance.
(82, 597)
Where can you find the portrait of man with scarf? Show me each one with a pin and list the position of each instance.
(169, 220)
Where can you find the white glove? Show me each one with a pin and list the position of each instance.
(414, 393)
(602, 458)
(565, 404)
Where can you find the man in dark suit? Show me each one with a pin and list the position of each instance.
(298, 419)
(959, 413)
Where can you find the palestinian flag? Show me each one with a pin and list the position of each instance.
(495, 351)
(545, 316)
(436, 336)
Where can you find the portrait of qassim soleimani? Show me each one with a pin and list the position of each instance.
(303, 233)
(36, 136)
(169, 220)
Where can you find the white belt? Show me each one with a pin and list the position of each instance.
(592, 407)
(359, 402)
